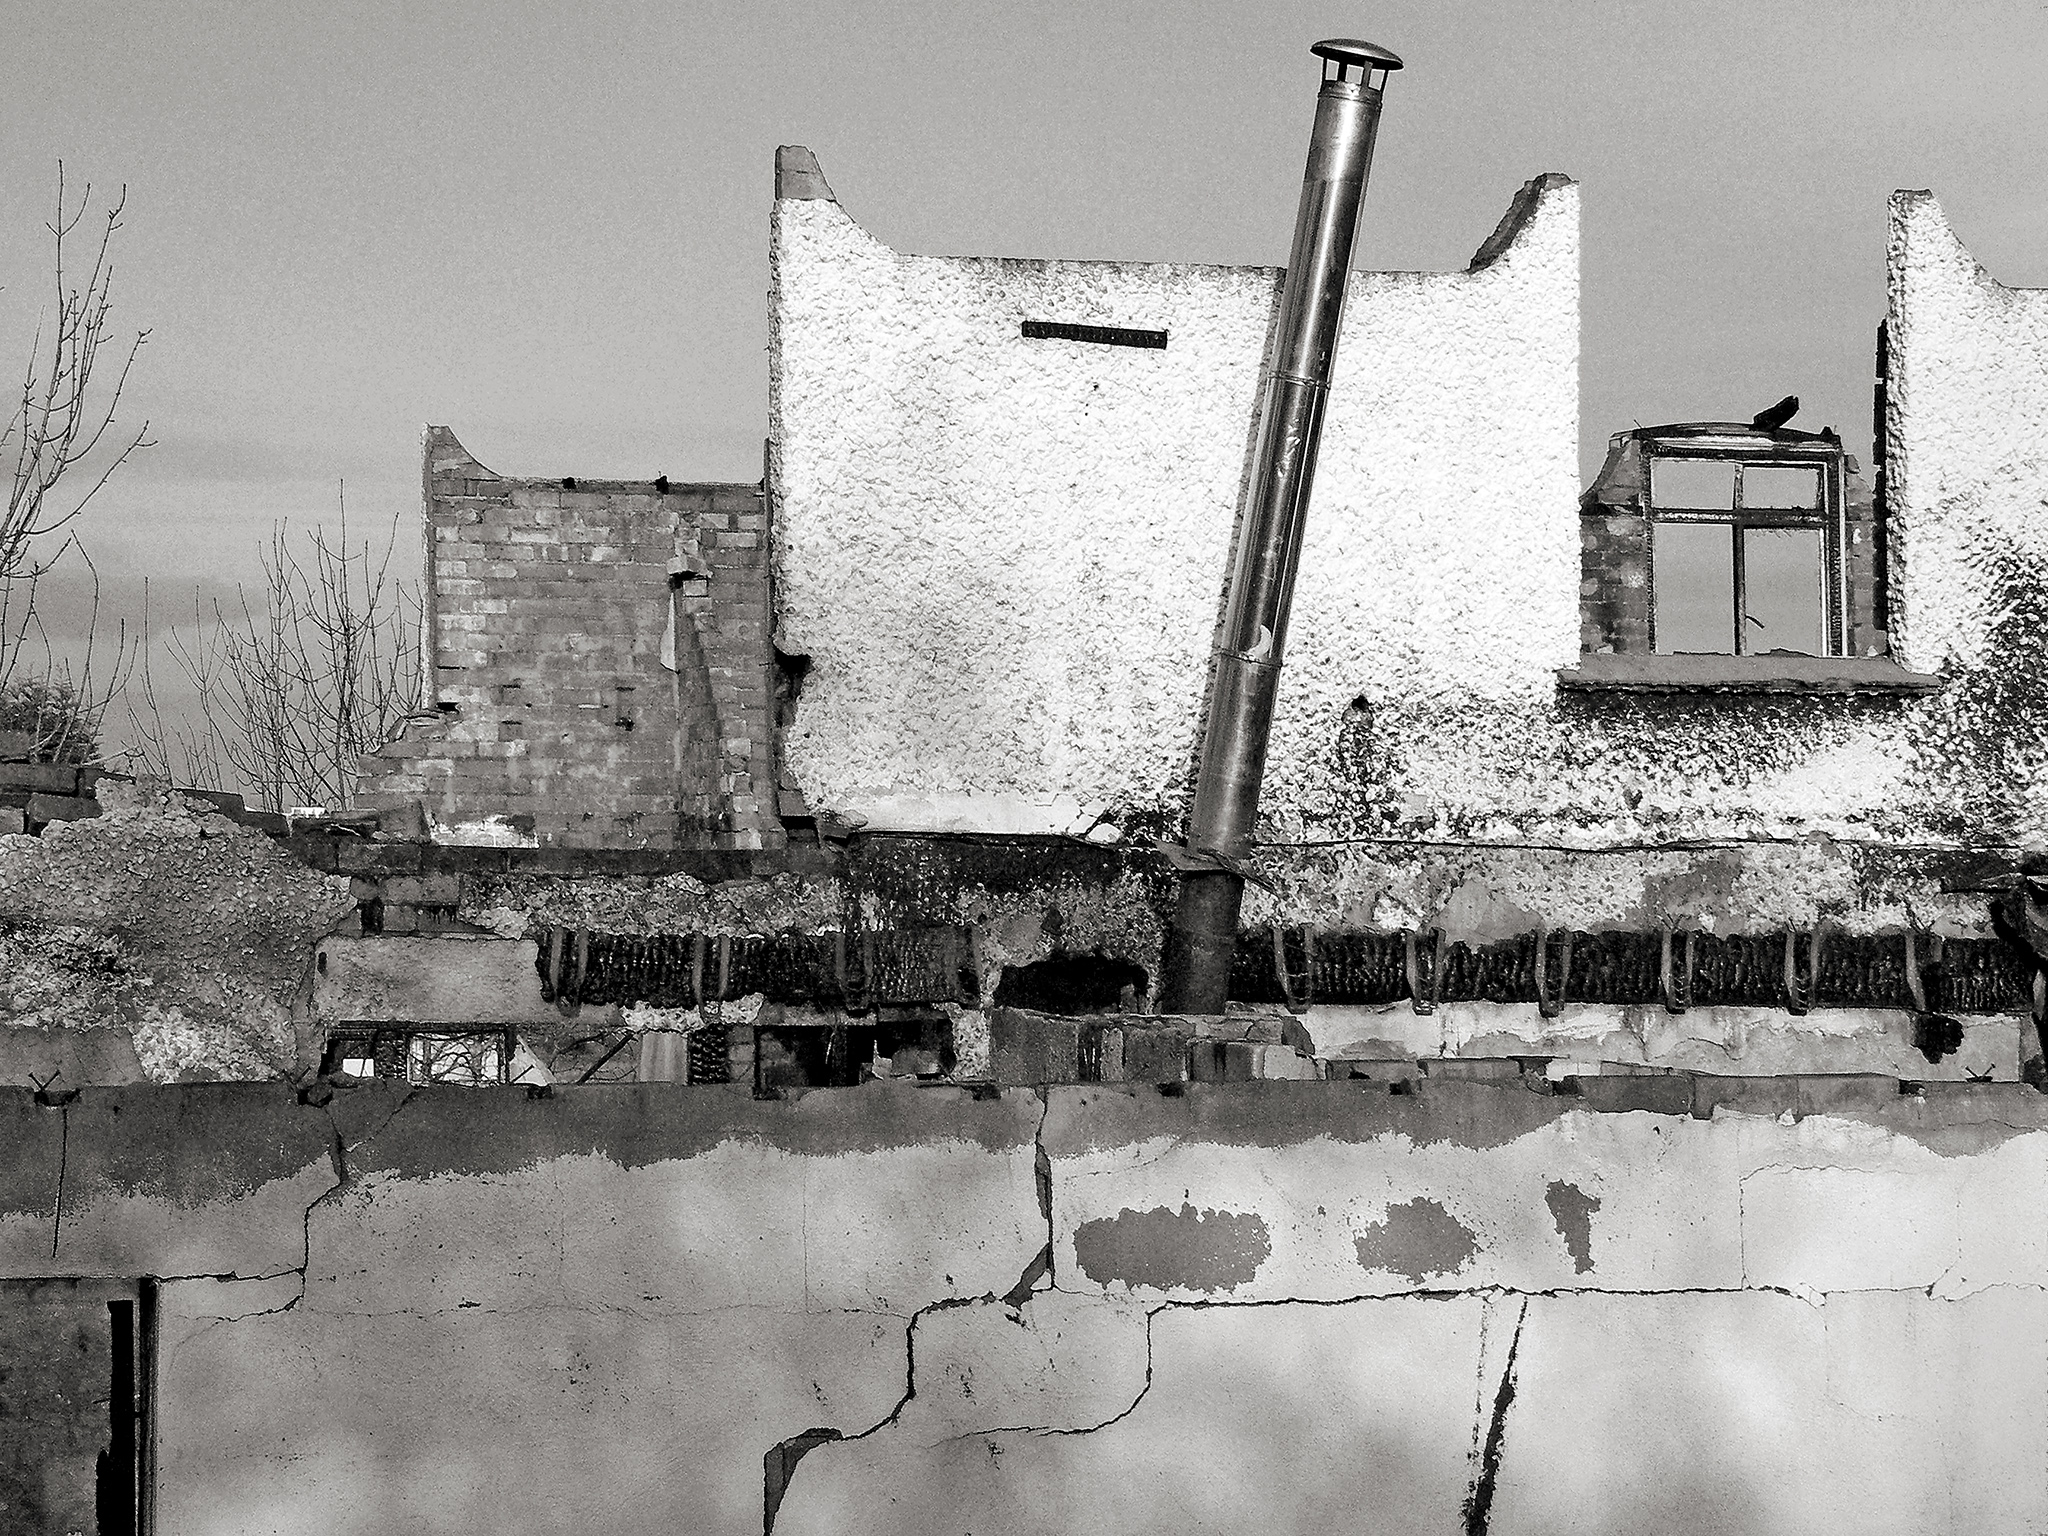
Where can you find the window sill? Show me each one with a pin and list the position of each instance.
(1744, 674)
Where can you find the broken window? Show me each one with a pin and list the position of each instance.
(1744, 558)
(1718, 538)
(472, 1058)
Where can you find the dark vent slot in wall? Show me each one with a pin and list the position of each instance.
(1100, 335)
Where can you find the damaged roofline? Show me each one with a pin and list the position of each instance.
(799, 178)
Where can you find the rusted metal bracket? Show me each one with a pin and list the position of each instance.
(1296, 1000)
(1799, 993)
(1421, 1003)
(1677, 989)
(563, 980)
(1191, 861)
(851, 1001)
(1916, 980)
(714, 1013)
(1550, 1004)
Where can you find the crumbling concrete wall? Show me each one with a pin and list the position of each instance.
(1382, 952)
(157, 940)
(1783, 1304)
(1003, 555)
(601, 663)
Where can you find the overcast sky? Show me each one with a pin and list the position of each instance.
(546, 225)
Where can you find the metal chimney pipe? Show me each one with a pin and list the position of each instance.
(1247, 675)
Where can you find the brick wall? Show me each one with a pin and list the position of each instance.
(601, 662)
(1861, 563)
(1614, 584)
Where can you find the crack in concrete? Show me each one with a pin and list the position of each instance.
(1478, 1509)
(1041, 1170)
(63, 1157)
(337, 1151)
(1086, 1429)
(1039, 1275)
(230, 1277)
(1477, 1512)
(1742, 1230)
(1041, 1265)
(585, 1308)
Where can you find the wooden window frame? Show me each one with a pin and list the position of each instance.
(1829, 518)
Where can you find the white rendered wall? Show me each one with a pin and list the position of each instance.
(1968, 422)
(1005, 557)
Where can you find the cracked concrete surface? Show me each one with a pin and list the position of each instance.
(436, 1310)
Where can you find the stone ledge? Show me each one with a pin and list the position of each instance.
(1744, 674)
(364, 856)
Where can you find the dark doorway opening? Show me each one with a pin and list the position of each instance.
(77, 1452)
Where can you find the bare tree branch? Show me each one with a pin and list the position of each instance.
(57, 429)
(60, 421)
(298, 684)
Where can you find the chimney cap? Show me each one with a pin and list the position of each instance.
(1351, 50)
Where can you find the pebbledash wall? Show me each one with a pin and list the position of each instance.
(1767, 1306)
(1027, 539)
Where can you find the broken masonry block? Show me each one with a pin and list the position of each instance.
(1026, 1048)
(1153, 1055)
(226, 802)
(49, 808)
(913, 1061)
(435, 890)
(1102, 1053)
(1207, 1062)
(45, 778)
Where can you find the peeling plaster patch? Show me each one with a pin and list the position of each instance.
(1476, 913)
(736, 1010)
(1420, 1240)
(1476, 1116)
(640, 1125)
(1572, 1209)
(136, 1141)
(1174, 1250)
(1472, 890)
